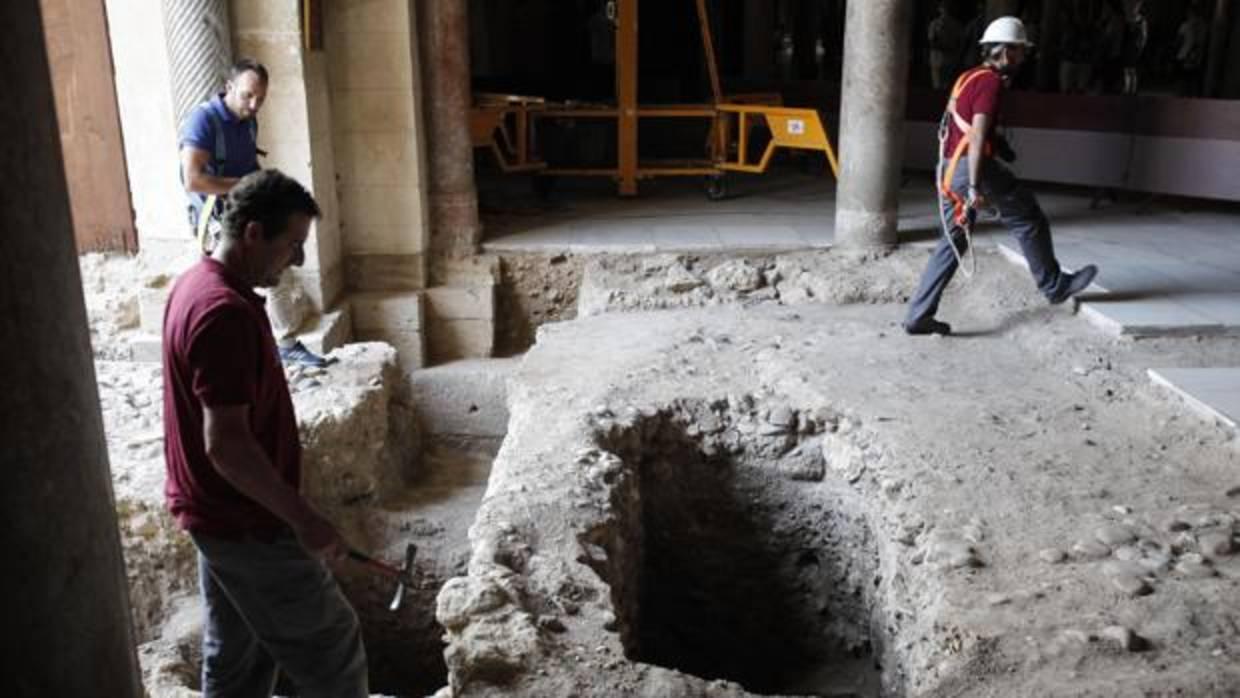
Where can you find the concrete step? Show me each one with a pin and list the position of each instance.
(464, 402)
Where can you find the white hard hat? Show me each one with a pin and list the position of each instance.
(1006, 30)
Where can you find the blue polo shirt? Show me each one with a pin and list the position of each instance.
(239, 143)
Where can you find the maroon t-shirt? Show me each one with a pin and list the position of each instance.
(218, 351)
(979, 96)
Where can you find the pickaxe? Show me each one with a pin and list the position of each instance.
(403, 575)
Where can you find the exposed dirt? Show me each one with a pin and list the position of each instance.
(1041, 519)
(534, 289)
(362, 466)
(736, 475)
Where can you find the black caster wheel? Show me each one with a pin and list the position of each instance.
(716, 187)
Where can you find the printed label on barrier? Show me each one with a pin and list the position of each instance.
(796, 127)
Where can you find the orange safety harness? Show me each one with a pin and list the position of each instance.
(960, 206)
(963, 214)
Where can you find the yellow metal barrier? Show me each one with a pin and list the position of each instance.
(504, 125)
(790, 127)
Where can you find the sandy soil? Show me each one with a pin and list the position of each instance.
(1043, 520)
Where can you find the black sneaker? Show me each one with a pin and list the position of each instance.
(299, 354)
(928, 326)
(1077, 282)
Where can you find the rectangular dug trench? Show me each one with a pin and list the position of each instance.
(745, 572)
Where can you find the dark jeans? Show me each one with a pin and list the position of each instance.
(1020, 214)
(269, 606)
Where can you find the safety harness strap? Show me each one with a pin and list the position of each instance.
(959, 205)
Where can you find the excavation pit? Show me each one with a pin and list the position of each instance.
(752, 568)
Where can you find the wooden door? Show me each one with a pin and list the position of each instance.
(90, 129)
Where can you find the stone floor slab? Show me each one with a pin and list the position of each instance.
(1166, 268)
(1212, 392)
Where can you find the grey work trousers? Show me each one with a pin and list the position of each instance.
(272, 606)
(1020, 214)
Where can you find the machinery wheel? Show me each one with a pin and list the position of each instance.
(716, 187)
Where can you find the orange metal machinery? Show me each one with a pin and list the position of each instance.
(507, 124)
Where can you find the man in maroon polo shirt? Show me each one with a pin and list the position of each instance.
(234, 464)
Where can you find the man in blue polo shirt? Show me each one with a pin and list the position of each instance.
(219, 146)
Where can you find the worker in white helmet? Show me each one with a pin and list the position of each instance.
(969, 177)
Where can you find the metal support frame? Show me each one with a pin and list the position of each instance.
(507, 124)
(503, 124)
(626, 96)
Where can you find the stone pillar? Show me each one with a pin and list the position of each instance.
(199, 50)
(65, 603)
(876, 57)
(443, 49)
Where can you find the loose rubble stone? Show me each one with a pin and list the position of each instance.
(909, 531)
(551, 624)
(1156, 559)
(973, 532)
(782, 416)
(1176, 526)
(1052, 555)
(1119, 568)
(1125, 638)
(681, 280)
(804, 463)
(1091, 550)
(1130, 585)
(736, 275)
(1195, 569)
(1114, 534)
(1076, 635)
(1215, 543)
(953, 554)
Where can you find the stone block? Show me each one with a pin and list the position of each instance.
(370, 60)
(171, 254)
(144, 346)
(392, 205)
(151, 302)
(410, 346)
(382, 239)
(265, 15)
(374, 112)
(466, 398)
(450, 340)
(379, 158)
(326, 331)
(385, 272)
(460, 303)
(393, 312)
(478, 270)
(279, 51)
(371, 16)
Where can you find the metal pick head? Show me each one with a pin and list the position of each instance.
(398, 599)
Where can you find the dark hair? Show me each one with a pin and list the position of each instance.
(247, 65)
(267, 197)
